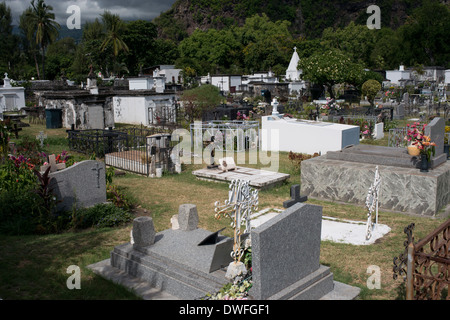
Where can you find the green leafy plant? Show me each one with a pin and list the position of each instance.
(99, 216)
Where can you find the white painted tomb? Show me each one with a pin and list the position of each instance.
(305, 136)
(11, 98)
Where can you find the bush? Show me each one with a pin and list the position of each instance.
(99, 216)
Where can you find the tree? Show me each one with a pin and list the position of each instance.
(140, 38)
(42, 19)
(370, 88)
(425, 35)
(114, 27)
(200, 99)
(9, 42)
(357, 41)
(331, 67)
(60, 56)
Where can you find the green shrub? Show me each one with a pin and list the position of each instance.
(99, 216)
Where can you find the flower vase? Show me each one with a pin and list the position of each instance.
(424, 163)
(413, 150)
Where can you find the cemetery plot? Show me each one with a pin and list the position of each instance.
(139, 150)
(260, 179)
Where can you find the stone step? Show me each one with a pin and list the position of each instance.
(175, 278)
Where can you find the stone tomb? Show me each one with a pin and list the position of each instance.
(346, 175)
(405, 190)
(397, 157)
(259, 179)
(175, 260)
(285, 249)
(303, 136)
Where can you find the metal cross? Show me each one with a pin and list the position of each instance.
(97, 168)
(242, 201)
(41, 137)
(372, 203)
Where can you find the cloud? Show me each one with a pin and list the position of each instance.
(91, 9)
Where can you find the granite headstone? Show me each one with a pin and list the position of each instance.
(436, 130)
(82, 185)
(286, 254)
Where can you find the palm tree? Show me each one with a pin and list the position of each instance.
(28, 31)
(42, 19)
(114, 28)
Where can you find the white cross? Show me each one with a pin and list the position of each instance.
(41, 137)
(52, 164)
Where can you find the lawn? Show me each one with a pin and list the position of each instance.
(35, 266)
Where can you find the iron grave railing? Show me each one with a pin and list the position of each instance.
(140, 150)
(425, 265)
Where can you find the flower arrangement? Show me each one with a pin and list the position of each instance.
(415, 135)
(415, 132)
(241, 116)
(330, 106)
(367, 133)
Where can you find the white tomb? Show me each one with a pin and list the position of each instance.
(11, 98)
(304, 136)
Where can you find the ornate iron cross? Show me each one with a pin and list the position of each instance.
(372, 203)
(242, 201)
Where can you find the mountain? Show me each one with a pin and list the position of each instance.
(63, 33)
(308, 17)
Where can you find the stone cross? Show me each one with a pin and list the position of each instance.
(372, 203)
(295, 197)
(53, 165)
(242, 201)
(41, 137)
(97, 168)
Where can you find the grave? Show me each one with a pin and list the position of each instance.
(333, 229)
(285, 259)
(82, 185)
(178, 260)
(305, 136)
(260, 179)
(187, 263)
(345, 176)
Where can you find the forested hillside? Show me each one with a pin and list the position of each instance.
(307, 17)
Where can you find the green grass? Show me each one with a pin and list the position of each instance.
(34, 267)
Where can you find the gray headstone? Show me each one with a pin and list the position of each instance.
(187, 217)
(82, 185)
(285, 250)
(143, 232)
(436, 130)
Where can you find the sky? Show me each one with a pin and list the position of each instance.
(91, 9)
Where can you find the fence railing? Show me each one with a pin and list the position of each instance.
(130, 149)
(396, 137)
(425, 265)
